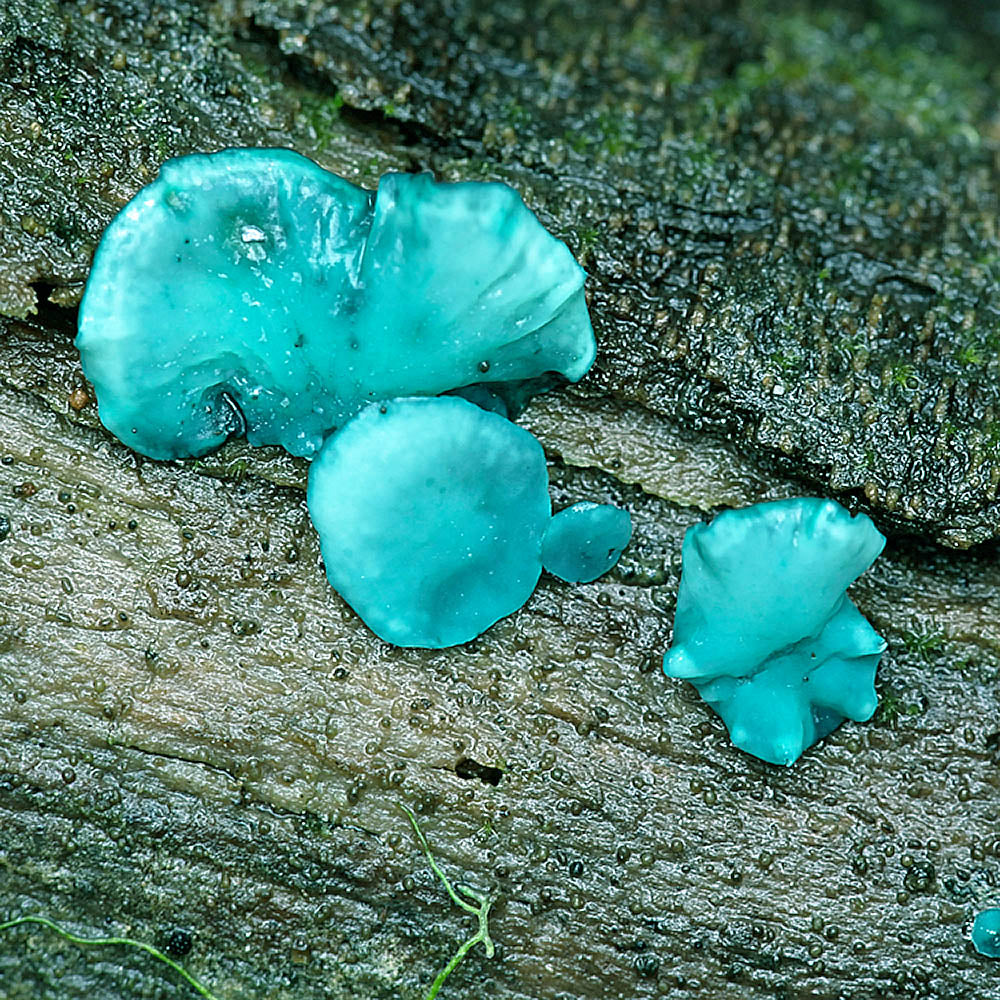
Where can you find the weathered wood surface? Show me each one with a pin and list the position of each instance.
(195, 732)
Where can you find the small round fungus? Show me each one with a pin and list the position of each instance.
(251, 290)
(584, 541)
(986, 933)
(430, 515)
(765, 630)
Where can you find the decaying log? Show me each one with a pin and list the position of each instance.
(794, 256)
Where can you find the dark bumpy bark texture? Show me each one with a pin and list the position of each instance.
(789, 213)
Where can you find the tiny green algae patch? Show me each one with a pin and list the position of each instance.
(765, 629)
(252, 291)
(431, 514)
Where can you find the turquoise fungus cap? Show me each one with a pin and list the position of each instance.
(430, 513)
(765, 630)
(986, 933)
(585, 540)
(251, 291)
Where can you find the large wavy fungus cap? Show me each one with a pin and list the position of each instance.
(251, 290)
(764, 627)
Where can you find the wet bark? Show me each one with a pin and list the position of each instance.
(790, 223)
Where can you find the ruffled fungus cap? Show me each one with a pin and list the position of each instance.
(765, 630)
(251, 290)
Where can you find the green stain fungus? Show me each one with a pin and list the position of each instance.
(430, 514)
(986, 933)
(765, 630)
(585, 540)
(252, 291)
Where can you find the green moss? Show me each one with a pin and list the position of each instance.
(970, 355)
(615, 133)
(323, 116)
(611, 133)
(948, 430)
(991, 439)
(56, 94)
(897, 77)
(903, 376)
(785, 362)
(894, 706)
(234, 471)
(515, 114)
(588, 240)
(890, 706)
(924, 640)
(576, 141)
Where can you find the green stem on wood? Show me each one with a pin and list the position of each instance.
(481, 911)
(141, 945)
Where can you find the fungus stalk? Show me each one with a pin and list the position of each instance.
(481, 911)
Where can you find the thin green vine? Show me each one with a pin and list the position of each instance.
(481, 911)
(141, 945)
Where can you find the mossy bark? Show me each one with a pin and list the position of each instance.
(790, 222)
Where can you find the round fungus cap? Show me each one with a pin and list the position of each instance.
(430, 515)
(584, 541)
(252, 290)
(765, 630)
(986, 933)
